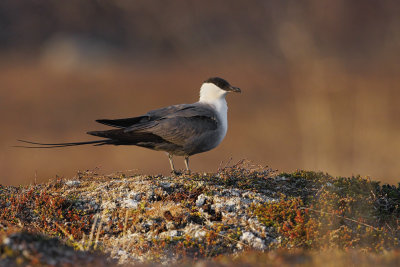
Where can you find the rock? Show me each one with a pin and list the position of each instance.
(170, 226)
(72, 183)
(174, 233)
(253, 241)
(200, 234)
(130, 203)
(201, 199)
(231, 205)
(143, 212)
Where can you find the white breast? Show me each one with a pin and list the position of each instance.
(214, 96)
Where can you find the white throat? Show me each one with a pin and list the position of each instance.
(214, 96)
(209, 92)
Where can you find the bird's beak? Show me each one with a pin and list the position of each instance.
(235, 89)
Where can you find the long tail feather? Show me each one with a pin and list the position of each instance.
(55, 145)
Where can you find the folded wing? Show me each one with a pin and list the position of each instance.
(172, 125)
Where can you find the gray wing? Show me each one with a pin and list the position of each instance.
(141, 120)
(178, 124)
(175, 125)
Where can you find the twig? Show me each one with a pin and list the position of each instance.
(342, 217)
(126, 222)
(83, 241)
(234, 240)
(65, 232)
(92, 231)
(98, 231)
(221, 235)
(220, 168)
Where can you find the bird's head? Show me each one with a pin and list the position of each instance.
(215, 88)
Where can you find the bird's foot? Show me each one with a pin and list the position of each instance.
(177, 173)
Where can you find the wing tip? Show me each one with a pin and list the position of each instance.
(109, 123)
(95, 133)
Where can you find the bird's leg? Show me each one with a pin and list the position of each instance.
(172, 165)
(187, 164)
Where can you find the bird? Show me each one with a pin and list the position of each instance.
(179, 130)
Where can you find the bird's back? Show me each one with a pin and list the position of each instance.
(184, 129)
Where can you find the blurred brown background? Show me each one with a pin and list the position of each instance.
(320, 81)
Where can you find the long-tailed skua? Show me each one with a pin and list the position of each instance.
(179, 130)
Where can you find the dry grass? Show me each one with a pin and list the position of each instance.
(241, 216)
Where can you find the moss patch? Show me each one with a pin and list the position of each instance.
(203, 216)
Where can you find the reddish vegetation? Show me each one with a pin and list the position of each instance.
(301, 210)
(51, 213)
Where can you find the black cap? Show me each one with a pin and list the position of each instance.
(223, 84)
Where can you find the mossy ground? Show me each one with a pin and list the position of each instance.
(241, 215)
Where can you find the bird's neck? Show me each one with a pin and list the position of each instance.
(214, 96)
(211, 93)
